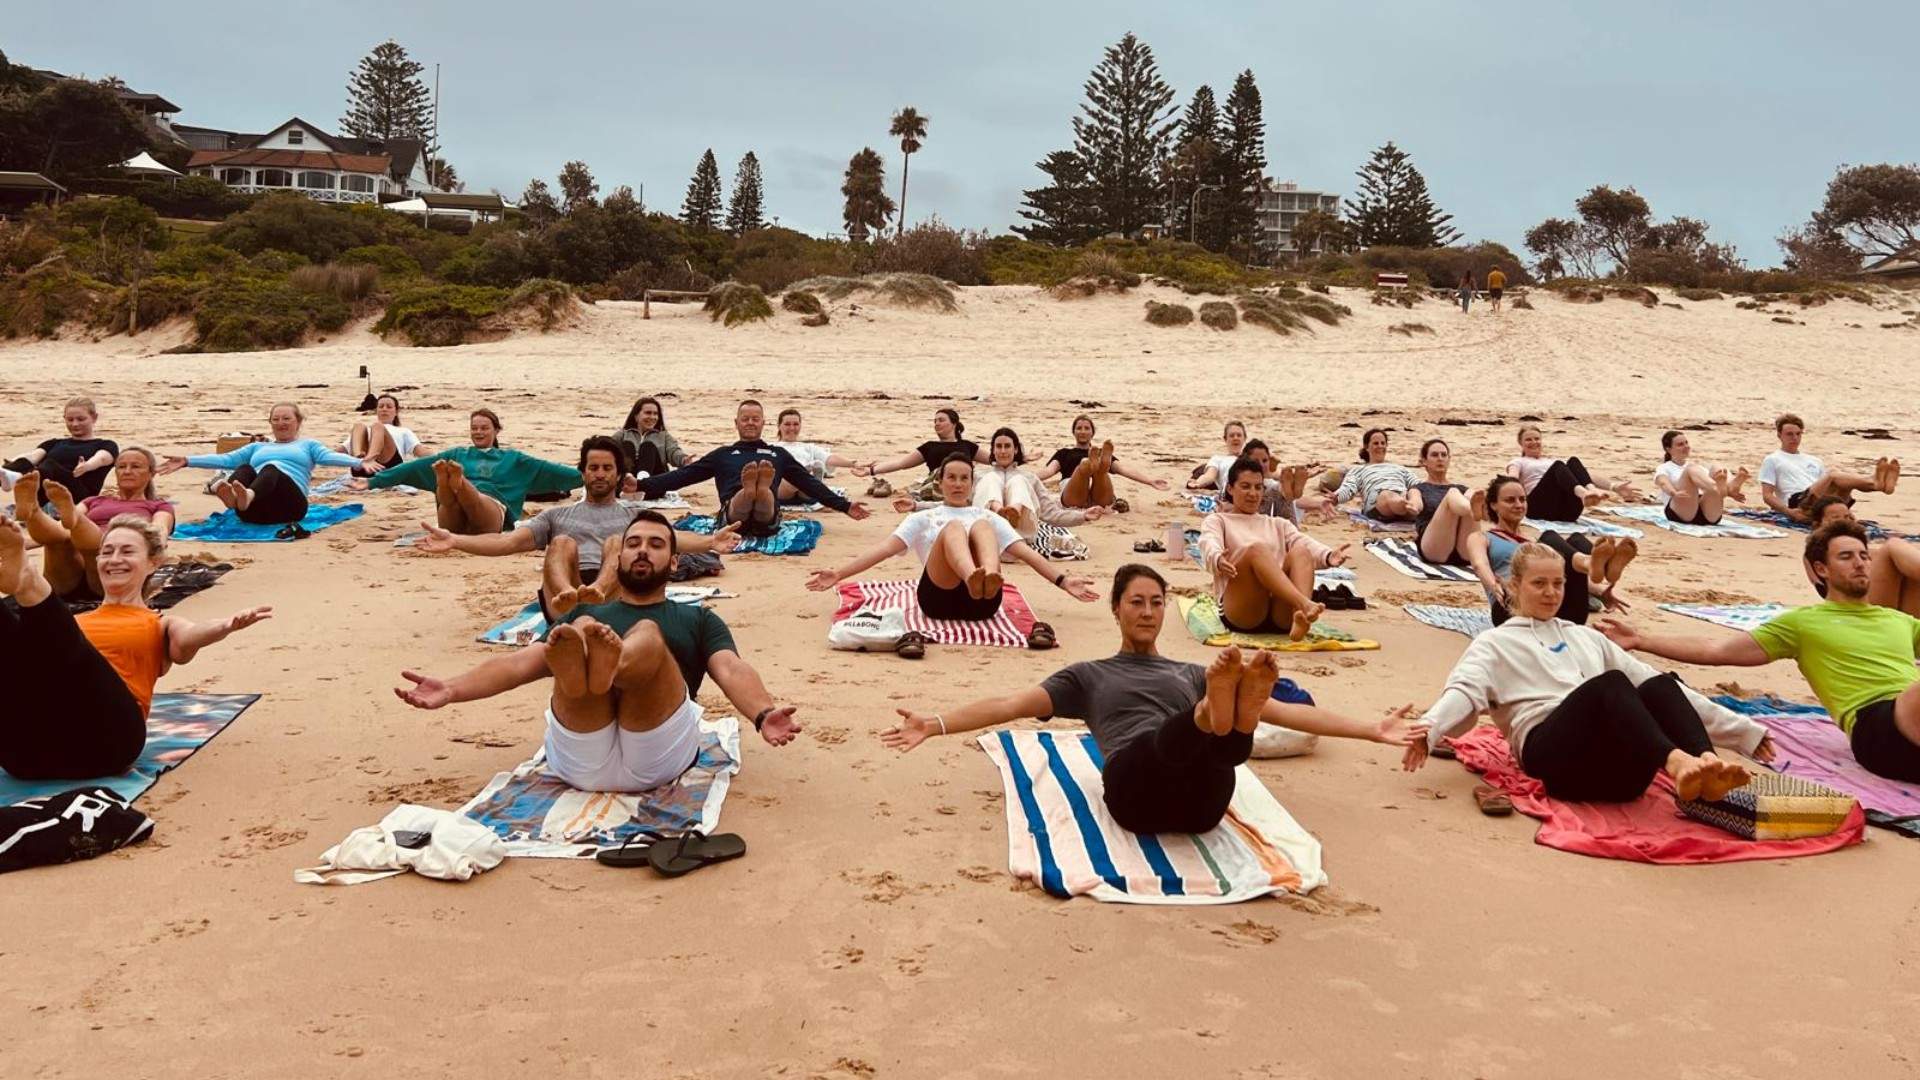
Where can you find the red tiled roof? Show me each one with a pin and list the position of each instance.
(292, 159)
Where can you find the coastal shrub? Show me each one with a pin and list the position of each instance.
(775, 258)
(933, 248)
(41, 301)
(438, 315)
(1408, 329)
(736, 302)
(1011, 260)
(1699, 294)
(1168, 314)
(818, 318)
(348, 283)
(1521, 303)
(295, 223)
(390, 259)
(160, 297)
(903, 290)
(1274, 314)
(1404, 298)
(245, 312)
(197, 260)
(802, 302)
(1219, 314)
(549, 302)
(1644, 296)
(1424, 266)
(275, 261)
(22, 245)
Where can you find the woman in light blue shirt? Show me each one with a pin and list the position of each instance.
(268, 483)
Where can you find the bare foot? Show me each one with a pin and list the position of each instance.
(1012, 514)
(590, 594)
(1303, 621)
(563, 602)
(1718, 474)
(1256, 687)
(1594, 497)
(603, 655)
(567, 659)
(1740, 479)
(1106, 456)
(1689, 774)
(1719, 777)
(990, 584)
(228, 493)
(1597, 560)
(26, 497)
(13, 558)
(1893, 476)
(1624, 553)
(62, 501)
(1478, 502)
(1223, 688)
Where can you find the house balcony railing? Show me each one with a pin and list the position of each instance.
(335, 195)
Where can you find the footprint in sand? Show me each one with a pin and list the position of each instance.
(844, 1069)
(827, 735)
(981, 874)
(1323, 902)
(1247, 932)
(439, 789)
(258, 838)
(843, 957)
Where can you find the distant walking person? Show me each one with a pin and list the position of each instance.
(1464, 291)
(1496, 284)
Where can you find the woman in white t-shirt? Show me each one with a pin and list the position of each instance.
(1559, 490)
(1213, 475)
(960, 547)
(383, 438)
(1694, 494)
(813, 457)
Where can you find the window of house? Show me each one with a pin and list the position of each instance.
(273, 178)
(317, 180)
(357, 183)
(235, 176)
(296, 137)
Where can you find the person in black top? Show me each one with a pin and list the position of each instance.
(1086, 471)
(949, 438)
(747, 474)
(80, 463)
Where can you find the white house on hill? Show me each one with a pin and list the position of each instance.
(300, 157)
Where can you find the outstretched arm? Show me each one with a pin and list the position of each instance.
(1399, 727)
(1077, 587)
(495, 676)
(741, 683)
(1719, 650)
(1139, 477)
(1053, 469)
(915, 728)
(186, 639)
(904, 461)
(822, 580)
(512, 542)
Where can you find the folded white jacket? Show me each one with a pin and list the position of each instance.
(457, 848)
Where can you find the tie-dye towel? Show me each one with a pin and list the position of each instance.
(795, 536)
(1810, 745)
(1875, 530)
(1727, 529)
(344, 484)
(1060, 836)
(1204, 504)
(226, 527)
(1649, 829)
(539, 816)
(1404, 556)
(528, 625)
(1201, 614)
(1590, 525)
(1010, 626)
(1731, 616)
(177, 725)
(1471, 621)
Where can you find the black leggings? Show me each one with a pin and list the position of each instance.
(53, 472)
(1605, 741)
(1573, 603)
(1554, 498)
(1177, 780)
(277, 498)
(75, 719)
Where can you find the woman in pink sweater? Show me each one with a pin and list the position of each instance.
(1262, 566)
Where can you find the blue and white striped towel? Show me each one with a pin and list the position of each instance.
(1592, 526)
(1657, 516)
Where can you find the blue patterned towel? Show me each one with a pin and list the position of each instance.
(1471, 621)
(796, 536)
(177, 725)
(226, 527)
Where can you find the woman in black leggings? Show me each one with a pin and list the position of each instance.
(84, 712)
(1168, 734)
(268, 484)
(1582, 716)
(1559, 490)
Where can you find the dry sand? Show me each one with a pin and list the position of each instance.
(874, 930)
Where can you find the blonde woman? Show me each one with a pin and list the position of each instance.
(269, 480)
(78, 462)
(71, 535)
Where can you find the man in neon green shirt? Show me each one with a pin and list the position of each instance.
(1858, 657)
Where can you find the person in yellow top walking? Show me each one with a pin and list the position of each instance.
(1496, 282)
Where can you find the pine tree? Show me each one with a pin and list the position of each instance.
(1392, 206)
(537, 203)
(577, 186)
(747, 210)
(1243, 170)
(868, 207)
(1193, 167)
(386, 99)
(1063, 213)
(1124, 134)
(701, 211)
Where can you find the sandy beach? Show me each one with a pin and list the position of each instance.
(873, 930)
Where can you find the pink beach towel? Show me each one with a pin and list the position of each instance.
(1009, 627)
(1650, 829)
(1812, 748)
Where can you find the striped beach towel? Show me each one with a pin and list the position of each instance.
(1009, 626)
(672, 500)
(1727, 529)
(1731, 616)
(1592, 526)
(1404, 556)
(1060, 836)
(1201, 614)
(1471, 621)
(343, 484)
(540, 816)
(1875, 530)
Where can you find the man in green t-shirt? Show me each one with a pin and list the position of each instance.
(625, 673)
(1858, 657)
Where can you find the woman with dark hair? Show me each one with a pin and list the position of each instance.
(1262, 566)
(1559, 490)
(1591, 568)
(1009, 488)
(269, 480)
(960, 547)
(1086, 471)
(1381, 485)
(1170, 733)
(1463, 291)
(650, 447)
(1588, 720)
(1694, 494)
(383, 439)
(1448, 529)
(949, 438)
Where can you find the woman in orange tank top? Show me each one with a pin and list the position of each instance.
(86, 713)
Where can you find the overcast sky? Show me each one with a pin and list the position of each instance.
(1737, 113)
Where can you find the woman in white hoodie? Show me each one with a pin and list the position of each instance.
(1009, 487)
(1584, 717)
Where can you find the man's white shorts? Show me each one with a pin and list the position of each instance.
(615, 759)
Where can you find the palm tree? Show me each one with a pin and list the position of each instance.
(911, 129)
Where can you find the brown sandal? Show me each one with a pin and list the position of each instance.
(912, 645)
(1041, 637)
(1492, 801)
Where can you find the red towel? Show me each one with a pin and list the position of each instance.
(1009, 627)
(1649, 829)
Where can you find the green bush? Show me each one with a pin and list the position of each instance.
(199, 198)
(773, 259)
(436, 315)
(391, 259)
(295, 223)
(1699, 294)
(348, 283)
(903, 290)
(24, 244)
(246, 312)
(1013, 261)
(40, 302)
(550, 301)
(275, 261)
(933, 248)
(197, 259)
(1168, 314)
(1219, 314)
(737, 303)
(801, 302)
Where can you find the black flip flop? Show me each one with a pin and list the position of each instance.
(295, 531)
(691, 851)
(1346, 600)
(1148, 546)
(629, 854)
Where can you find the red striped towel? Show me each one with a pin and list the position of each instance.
(1009, 626)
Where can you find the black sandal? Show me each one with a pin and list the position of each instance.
(1345, 600)
(295, 531)
(692, 850)
(629, 855)
(912, 645)
(1146, 547)
(1042, 637)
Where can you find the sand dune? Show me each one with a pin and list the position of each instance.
(873, 930)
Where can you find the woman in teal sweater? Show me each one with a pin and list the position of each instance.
(480, 488)
(268, 480)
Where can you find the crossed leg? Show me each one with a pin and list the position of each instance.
(461, 507)
(1701, 491)
(1455, 530)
